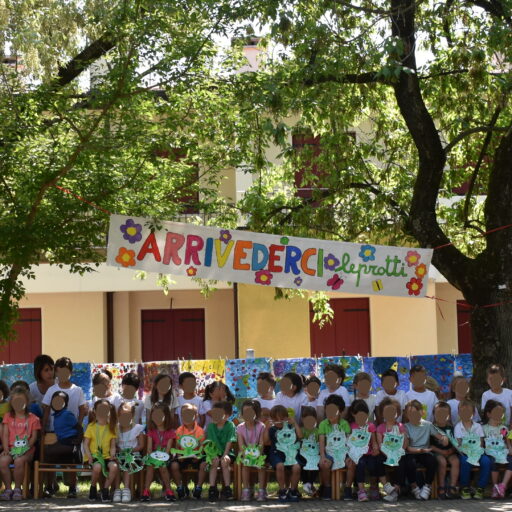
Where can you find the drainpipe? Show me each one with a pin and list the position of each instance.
(235, 304)
(110, 327)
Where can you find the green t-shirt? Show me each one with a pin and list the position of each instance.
(308, 432)
(325, 427)
(221, 436)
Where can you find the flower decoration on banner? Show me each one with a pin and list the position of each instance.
(125, 257)
(367, 253)
(414, 286)
(285, 240)
(263, 277)
(331, 262)
(191, 271)
(225, 235)
(412, 258)
(421, 270)
(131, 231)
(298, 281)
(335, 282)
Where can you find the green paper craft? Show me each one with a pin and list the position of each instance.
(495, 447)
(336, 447)
(129, 461)
(157, 459)
(211, 451)
(98, 457)
(251, 457)
(357, 443)
(471, 446)
(310, 450)
(20, 447)
(190, 447)
(392, 447)
(286, 438)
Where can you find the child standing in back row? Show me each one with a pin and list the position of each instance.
(419, 391)
(496, 379)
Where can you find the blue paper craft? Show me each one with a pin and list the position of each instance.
(439, 366)
(464, 365)
(305, 366)
(82, 377)
(241, 375)
(376, 366)
(351, 364)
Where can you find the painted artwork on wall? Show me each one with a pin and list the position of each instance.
(241, 375)
(206, 371)
(438, 366)
(376, 366)
(351, 364)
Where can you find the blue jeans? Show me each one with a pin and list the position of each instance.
(483, 474)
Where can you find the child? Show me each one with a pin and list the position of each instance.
(44, 374)
(161, 436)
(192, 430)
(390, 382)
(334, 375)
(495, 379)
(33, 407)
(494, 428)
(18, 424)
(251, 432)
(419, 392)
(188, 383)
(310, 438)
(459, 390)
(445, 454)
(362, 385)
(389, 410)
(4, 399)
(291, 396)
(266, 385)
(130, 385)
(334, 407)
(418, 450)
(357, 417)
(465, 427)
(102, 388)
(280, 416)
(100, 447)
(221, 432)
(161, 391)
(76, 404)
(69, 433)
(130, 437)
(215, 392)
(312, 386)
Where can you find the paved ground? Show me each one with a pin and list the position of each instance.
(64, 505)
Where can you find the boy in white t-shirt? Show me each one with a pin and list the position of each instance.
(266, 385)
(390, 382)
(188, 382)
(334, 375)
(495, 379)
(427, 398)
(130, 385)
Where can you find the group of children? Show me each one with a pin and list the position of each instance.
(303, 432)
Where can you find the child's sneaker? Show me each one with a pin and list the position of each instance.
(226, 494)
(293, 495)
(308, 489)
(197, 492)
(117, 496)
(105, 495)
(479, 494)
(71, 492)
(347, 494)
(452, 493)
(93, 493)
(416, 492)
(282, 495)
(213, 494)
(501, 490)
(327, 493)
(495, 492)
(391, 493)
(465, 493)
(181, 492)
(146, 495)
(362, 496)
(425, 492)
(246, 495)
(262, 495)
(6, 495)
(17, 495)
(169, 495)
(126, 495)
(374, 494)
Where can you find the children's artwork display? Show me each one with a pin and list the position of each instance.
(351, 364)
(305, 366)
(151, 370)
(82, 377)
(118, 370)
(242, 374)
(439, 366)
(464, 364)
(376, 366)
(206, 371)
(13, 372)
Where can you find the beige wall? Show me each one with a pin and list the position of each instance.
(73, 324)
(447, 339)
(219, 320)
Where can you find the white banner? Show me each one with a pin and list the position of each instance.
(258, 258)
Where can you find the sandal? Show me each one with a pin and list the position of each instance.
(452, 493)
(441, 493)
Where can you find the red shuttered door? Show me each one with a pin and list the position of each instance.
(28, 341)
(349, 332)
(168, 334)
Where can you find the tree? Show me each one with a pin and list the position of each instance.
(433, 127)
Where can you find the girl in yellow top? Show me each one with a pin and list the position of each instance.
(100, 447)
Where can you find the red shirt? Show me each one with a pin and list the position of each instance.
(160, 438)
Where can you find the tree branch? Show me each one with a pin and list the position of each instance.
(470, 131)
(494, 7)
(348, 78)
(375, 190)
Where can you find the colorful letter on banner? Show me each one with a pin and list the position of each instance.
(258, 258)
